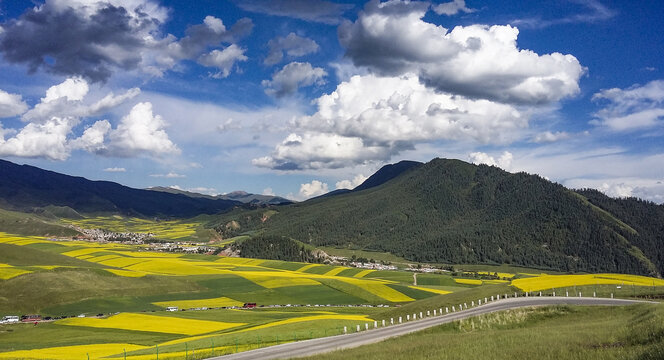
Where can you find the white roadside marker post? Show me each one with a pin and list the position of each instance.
(345, 330)
(447, 310)
(358, 327)
(400, 320)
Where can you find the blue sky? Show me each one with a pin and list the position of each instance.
(300, 97)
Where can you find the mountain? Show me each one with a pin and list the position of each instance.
(241, 196)
(384, 174)
(450, 211)
(387, 173)
(28, 188)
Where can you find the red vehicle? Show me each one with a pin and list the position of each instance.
(249, 305)
(31, 318)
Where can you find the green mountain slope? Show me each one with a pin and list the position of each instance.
(454, 212)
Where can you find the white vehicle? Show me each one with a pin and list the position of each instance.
(172, 308)
(10, 320)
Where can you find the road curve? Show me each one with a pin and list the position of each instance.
(331, 343)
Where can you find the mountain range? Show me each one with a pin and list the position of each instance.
(450, 211)
(28, 188)
(443, 211)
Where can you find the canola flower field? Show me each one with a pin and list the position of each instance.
(220, 284)
(165, 229)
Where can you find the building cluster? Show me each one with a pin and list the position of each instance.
(100, 235)
(373, 266)
(181, 247)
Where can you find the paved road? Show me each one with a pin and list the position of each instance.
(331, 343)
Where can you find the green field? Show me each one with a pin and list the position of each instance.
(583, 333)
(127, 285)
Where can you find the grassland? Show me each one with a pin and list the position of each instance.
(56, 278)
(635, 332)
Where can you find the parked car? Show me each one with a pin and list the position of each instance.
(10, 319)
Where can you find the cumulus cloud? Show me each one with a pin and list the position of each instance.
(11, 104)
(293, 45)
(140, 132)
(66, 100)
(93, 137)
(452, 8)
(623, 187)
(51, 122)
(314, 188)
(115, 169)
(47, 139)
(504, 161)
(170, 175)
(292, 77)
(634, 108)
(224, 60)
(549, 137)
(371, 118)
(351, 184)
(309, 10)
(268, 192)
(95, 38)
(477, 61)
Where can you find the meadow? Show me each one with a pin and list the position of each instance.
(131, 287)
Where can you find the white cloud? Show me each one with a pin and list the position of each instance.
(224, 60)
(452, 8)
(93, 137)
(351, 184)
(478, 61)
(268, 192)
(141, 132)
(622, 187)
(72, 89)
(312, 189)
(115, 169)
(11, 104)
(549, 137)
(47, 139)
(215, 24)
(293, 45)
(66, 100)
(322, 150)
(292, 77)
(170, 175)
(371, 118)
(504, 161)
(635, 108)
(52, 121)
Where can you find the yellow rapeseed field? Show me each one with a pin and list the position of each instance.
(95, 351)
(363, 273)
(558, 281)
(500, 274)
(468, 281)
(335, 271)
(277, 279)
(307, 267)
(151, 323)
(432, 290)
(378, 288)
(126, 273)
(188, 304)
(7, 272)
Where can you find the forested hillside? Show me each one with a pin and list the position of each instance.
(454, 212)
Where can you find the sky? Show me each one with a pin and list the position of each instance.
(300, 97)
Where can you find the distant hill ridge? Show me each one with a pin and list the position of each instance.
(241, 196)
(450, 211)
(24, 188)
